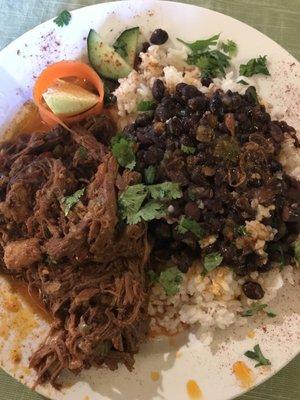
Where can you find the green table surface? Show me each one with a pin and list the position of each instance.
(279, 19)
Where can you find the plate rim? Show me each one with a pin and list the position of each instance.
(123, 3)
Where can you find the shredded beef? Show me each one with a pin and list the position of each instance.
(88, 269)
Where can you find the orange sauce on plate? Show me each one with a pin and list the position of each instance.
(244, 374)
(193, 390)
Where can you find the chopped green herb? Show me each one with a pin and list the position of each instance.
(70, 201)
(242, 82)
(258, 356)
(189, 225)
(153, 277)
(165, 191)
(211, 62)
(230, 47)
(211, 261)
(122, 149)
(82, 152)
(252, 92)
(271, 314)
(188, 149)
(132, 199)
(150, 173)
(255, 66)
(242, 231)
(151, 210)
(121, 49)
(201, 45)
(255, 308)
(63, 18)
(170, 280)
(297, 252)
(146, 105)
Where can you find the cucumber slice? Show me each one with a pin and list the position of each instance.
(126, 45)
(104, 59)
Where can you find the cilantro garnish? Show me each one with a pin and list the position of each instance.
(243, 82)
(271, 314)
(258, 356)
(211, 261)
(242, 231)
(165, 190)
(276, 247)
(69, 201)
(132, 203)
(190, 225)
(211, 61)
(153, 277)
(150, 173)
(230, 47)
(146, 105)
(255, 66)
(188, 149)
(122, 149)
(63, 18)
(170, 280)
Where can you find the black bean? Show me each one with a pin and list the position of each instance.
(175, 126)
(265, 267)
(153, 155)
(253, 290)
(165, 110)
(192, 210)
(145, 47)
(275, 166)
(216, 105)
(189, 91)
(159, 36)
(197, 103)
(179, 87)
(206, 81)
(144, 119)
(158, 89)
(183, 260)
(276, 133)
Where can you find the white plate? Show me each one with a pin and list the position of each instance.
(211, 368)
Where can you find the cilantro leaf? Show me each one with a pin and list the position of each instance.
(82, 152)
(258, 356)
(131, 200)
(271, 314)
(150, 173)
(165, 191)
(230, 47)
(190, 225)
(69, 201)
(242, 231)
(151, 210)
(255, 66)
(63, 18)
(201, 45)
(254, 309)
(122, 149)
(170, 280)
(211, 261)
(188, 149)
(211, 63)
(146, 105)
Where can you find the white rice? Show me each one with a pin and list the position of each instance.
(216, 300)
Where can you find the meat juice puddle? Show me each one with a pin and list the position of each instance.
(31, 300)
